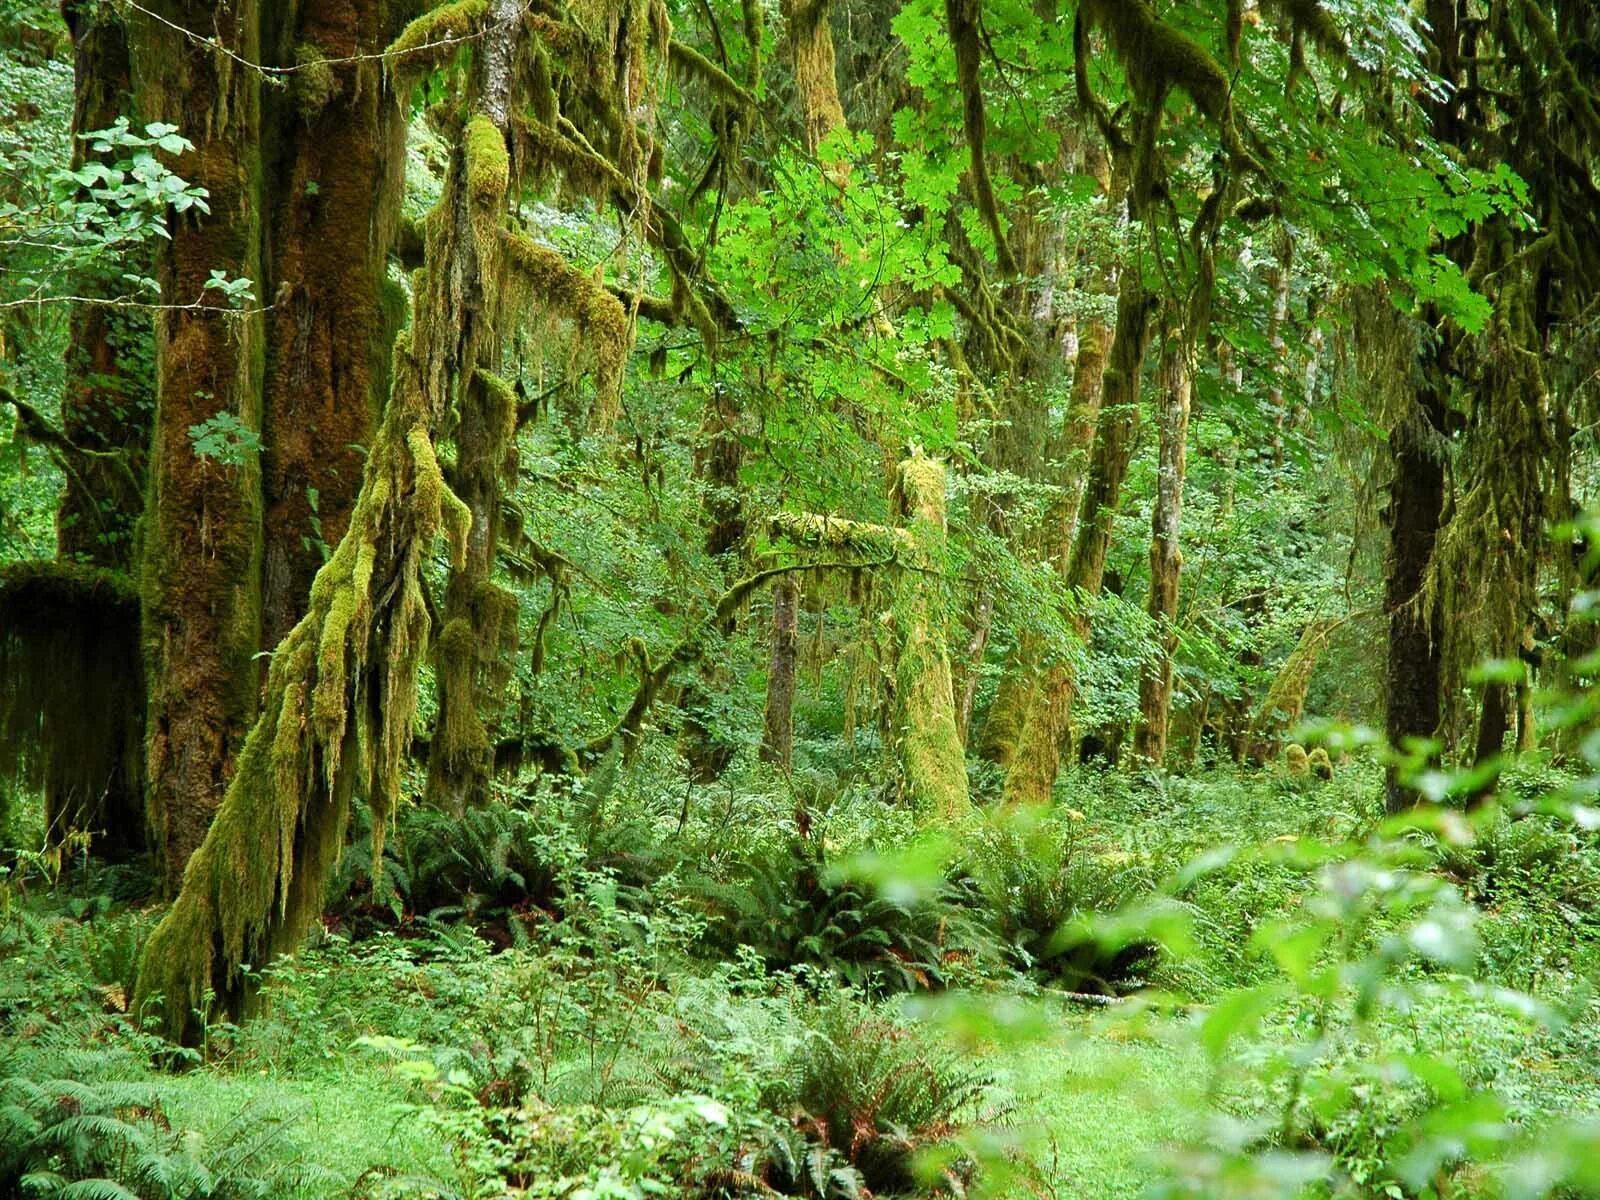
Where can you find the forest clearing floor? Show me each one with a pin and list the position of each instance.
(522, 996)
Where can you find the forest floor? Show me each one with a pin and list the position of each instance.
(374, 1055)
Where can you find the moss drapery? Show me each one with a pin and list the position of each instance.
(70, 632)
(342, 687)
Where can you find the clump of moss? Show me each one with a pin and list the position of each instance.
(1319, 764)
(314, 85)
(1296, 761)
(433, 38)
(543, 278)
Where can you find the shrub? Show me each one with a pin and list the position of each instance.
(64, 1138)
(787, 903)
(1035, 880)
(876, 1092)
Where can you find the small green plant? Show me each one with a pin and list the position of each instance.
(788, 904)
(62, 1139)
(1035, 878)
(225, 439)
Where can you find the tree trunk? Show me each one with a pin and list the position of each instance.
(202, 549)
(1038, 758)
(106, 408)
(815, 72)
(933, 761)
(342, 690)
(1166, 558)
(109, 401)
(1416, 505)
(777, 741)
(1014, 697)
(335, 152)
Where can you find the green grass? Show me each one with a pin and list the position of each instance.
(1104, 1101)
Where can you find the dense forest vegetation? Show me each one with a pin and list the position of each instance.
(819, 598)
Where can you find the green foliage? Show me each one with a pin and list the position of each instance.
(877, 1092)
(1037, 878)
(65, 1140)
(225, 439)
(786, 903)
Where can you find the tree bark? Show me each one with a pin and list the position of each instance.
(1414, 669)
(933, 760)
(335, 152)
(106, 408)
(1166, 557)
(202, 551)
(777, 741)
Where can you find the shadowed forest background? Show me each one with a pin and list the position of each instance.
(819, 598)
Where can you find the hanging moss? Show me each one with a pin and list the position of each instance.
(72, 698)
(604, 333)
(434, 38)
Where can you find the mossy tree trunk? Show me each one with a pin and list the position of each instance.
(1037, 760)
(106, 409)
(341, 692)
(333, 146)
(932, 758)
(202, 544)
(109, 401)
(1014, 696)
(777, 738)
(1166, 557)
(1415, 663)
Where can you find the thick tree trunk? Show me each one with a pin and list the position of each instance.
(815, 72)
(202, 545)
(777, 740)
(1416, 506)
(1166, 558)
(1038, 758)
(106, 408)
(1073, 448)
(109, 401)
(335, 152)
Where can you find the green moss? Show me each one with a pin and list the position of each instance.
(434, 37)
(488, 165)
(314, 85)
(545, 280)
(1296, 761)
(932, 756)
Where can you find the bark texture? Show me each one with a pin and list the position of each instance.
(202, 550)
(333, 145)
(777, 739)
(1166, 557)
